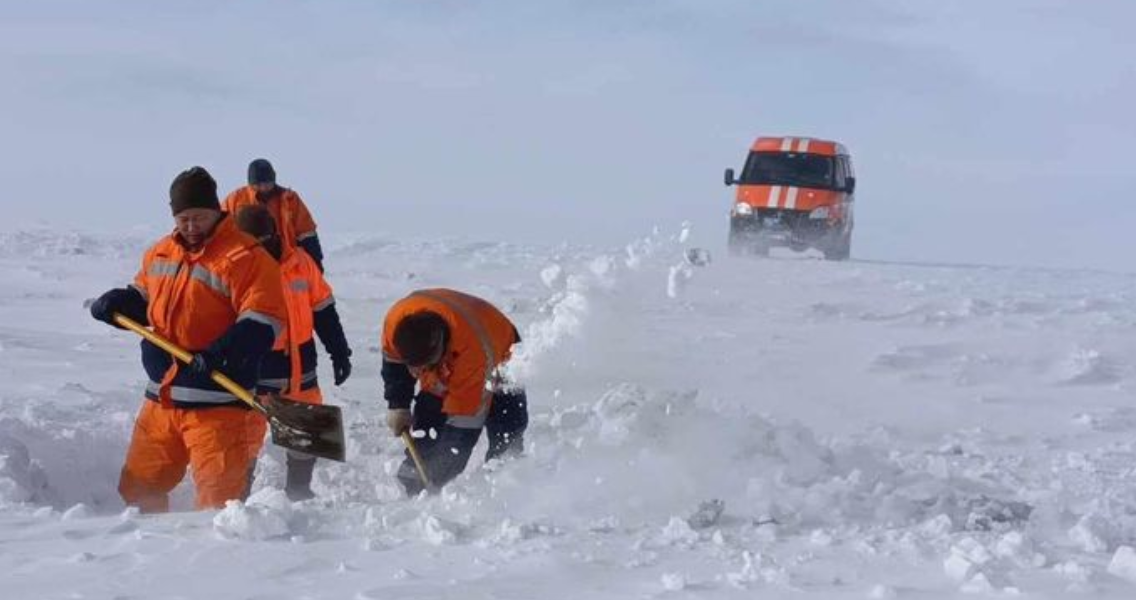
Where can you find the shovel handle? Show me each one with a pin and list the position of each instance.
(414, 455)
(184, 356)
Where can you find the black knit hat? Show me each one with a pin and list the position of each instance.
(261, 171)
(193, 188)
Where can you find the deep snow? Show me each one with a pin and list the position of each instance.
(739, 429)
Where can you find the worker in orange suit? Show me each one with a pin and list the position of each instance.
(451, 346)
(212, 290)
(293, 219)
(290, 368)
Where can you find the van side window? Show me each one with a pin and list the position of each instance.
(840, 172)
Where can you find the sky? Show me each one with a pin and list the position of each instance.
(980, 132)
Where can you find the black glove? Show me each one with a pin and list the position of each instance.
(237, 352)
(341, 366)
(398, 384)
(206, 362)
(125, 301)
(311, 245)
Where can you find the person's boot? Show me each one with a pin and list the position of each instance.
(298, 479)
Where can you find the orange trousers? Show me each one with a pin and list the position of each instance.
(212, 442)
(258, 424)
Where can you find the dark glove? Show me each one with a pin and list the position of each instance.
(206, 362)
(311, 245)
(398, 384)
(341, 366)
(237, 352)
(125, 301)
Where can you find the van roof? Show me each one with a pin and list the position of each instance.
(799, 144)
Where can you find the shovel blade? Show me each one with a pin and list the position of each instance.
(313, 429)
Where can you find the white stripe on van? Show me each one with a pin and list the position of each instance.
(786, 144)
(791, 201)
(804, 146)
(774, 195)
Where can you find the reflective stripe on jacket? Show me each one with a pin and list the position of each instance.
(194, 297)
(305, 292)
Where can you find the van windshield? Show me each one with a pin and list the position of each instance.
(789, 168)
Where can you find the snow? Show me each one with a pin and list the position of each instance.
(781, 426)
(1123, 563)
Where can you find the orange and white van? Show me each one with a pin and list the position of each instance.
(795, 192)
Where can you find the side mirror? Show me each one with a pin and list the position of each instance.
(730, 177)
(850, 185)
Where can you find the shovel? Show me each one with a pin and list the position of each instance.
(313, 429)
(418, 464)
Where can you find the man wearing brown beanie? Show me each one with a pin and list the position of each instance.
(293, 220)
(290, 368)
(213, 290)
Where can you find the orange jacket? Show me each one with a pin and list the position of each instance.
(287, 208)
(305, 292)
(194, 297)
(481, 338)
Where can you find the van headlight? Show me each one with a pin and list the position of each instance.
(742, 209)
(821, 212)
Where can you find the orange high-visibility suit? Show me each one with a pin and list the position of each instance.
(224, 299)
(293, 219)
(481, 338)
(461, 393)
(290, 368)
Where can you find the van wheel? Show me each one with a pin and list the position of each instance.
(740, 241)
(734, 243)
(841, 249)
(745, 243)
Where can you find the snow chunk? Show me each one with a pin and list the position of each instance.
(677, 279)
(820, 537)
(673, 582)
(511, 532)
(966, 558)
(437, 531)
(678, 531)
(1074, 571)
(957, 567)
(757, 569)
(937, 527)
(978, 584)
(266, 515)
(552, 276)
(1018, 549)
(79, 511)
(1087, 367)
(750, 573)
(881, 592)
(1090, 533)
(1123, 563)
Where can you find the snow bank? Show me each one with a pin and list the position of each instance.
(47, 457)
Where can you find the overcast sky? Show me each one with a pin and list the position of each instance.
(992, 132)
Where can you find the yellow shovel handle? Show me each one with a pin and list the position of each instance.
(184, 356)
(409, 441)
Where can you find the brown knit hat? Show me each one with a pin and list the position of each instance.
(193, 188)
(256, 221)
